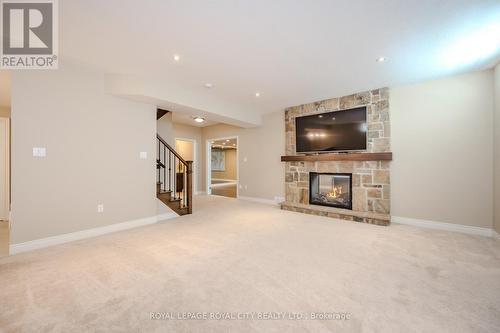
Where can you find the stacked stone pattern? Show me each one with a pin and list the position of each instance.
(371, 179)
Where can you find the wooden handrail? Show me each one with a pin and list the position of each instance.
(171, 149)
(177, 178)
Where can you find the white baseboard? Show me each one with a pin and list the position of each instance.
(166, 216)
(260, 200)
(78, 235)
(495, 234)
(465, 229)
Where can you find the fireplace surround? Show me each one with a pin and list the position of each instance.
(330, 189)
(370, 169)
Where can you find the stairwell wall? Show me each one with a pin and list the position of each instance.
(93, 142)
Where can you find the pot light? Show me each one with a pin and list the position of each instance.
(199, 119)
(177, 57)
(227, 140)
(381, 59)
(257, 94)
(209, 85)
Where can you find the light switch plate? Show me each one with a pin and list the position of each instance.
(143, 155)
(100, 208)
(39, 152)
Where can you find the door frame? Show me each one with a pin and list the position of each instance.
(6, 190)
(208, 159)
(195, 161)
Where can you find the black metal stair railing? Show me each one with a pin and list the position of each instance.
(174, 174)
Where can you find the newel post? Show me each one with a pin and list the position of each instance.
(190, 186)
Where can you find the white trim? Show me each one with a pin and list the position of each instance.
(260, 200)
(166, 216)
(465, 229)
(224, 184)
(78, 235)
(200, 193)
(226, 180)
(495, 234)
(208, 164)
(5, 211)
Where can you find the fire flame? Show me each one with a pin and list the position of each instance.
(336, 191)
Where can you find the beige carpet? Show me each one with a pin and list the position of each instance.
(237, 256)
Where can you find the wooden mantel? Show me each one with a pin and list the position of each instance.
(339, 157)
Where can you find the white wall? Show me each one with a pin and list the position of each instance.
(442, 140)
(192, 133)
(165, 128)
(93, 142)
(260, 148)
(497, 149)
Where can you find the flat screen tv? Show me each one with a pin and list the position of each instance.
(343, 130)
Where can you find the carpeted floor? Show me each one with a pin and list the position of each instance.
(243, 258)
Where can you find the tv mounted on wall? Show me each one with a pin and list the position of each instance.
(343, 130)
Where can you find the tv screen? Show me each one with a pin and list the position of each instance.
(333, 131)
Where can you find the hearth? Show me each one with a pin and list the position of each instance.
(330, 189)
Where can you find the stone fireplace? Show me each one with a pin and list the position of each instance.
(306, 191)
(330, 189)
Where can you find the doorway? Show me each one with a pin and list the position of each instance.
(222, 167)
(187, 149)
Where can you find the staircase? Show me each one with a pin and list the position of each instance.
(174, 179)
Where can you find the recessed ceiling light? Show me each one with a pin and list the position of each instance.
(381, 59)
(257, 94)
(177, 57)
(320, 116)
(199, 119)
(209, 85)
(227, 140)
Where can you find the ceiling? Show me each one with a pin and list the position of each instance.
(187, 119)
(225, 143)
(290, 51)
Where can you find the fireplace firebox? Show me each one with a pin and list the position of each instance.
(330, 189)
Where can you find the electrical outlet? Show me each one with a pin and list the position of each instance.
(39, 151)
(245, 159)
(241, 186)
(100, 208)
(246, 187)
(143, 155)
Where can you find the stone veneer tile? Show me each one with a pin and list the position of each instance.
(371, 179)
(381, 177)
(359, 199)
(381, 206)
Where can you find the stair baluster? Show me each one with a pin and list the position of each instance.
(177, 173)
